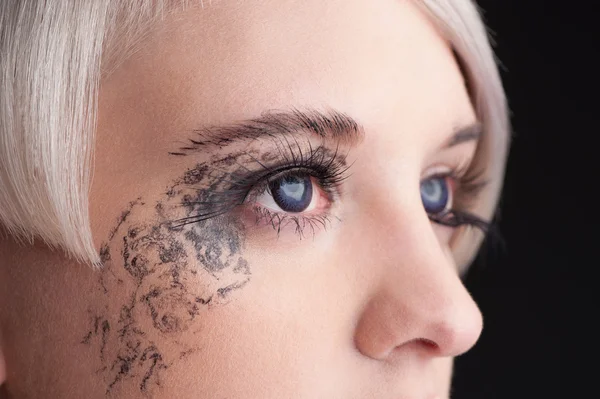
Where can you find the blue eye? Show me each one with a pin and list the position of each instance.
(436, 195)
(292, 193)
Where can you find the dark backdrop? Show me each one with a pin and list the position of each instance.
(547, 49)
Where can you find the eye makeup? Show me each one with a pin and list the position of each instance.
(262, 184)
(284, 160)
(257, 176)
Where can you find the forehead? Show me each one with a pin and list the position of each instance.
(380, 61)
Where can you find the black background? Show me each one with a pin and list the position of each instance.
(547, 49)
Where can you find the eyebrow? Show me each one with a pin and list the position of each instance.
(330, 125)
(465, 134)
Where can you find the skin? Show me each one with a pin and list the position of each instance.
(369, 306)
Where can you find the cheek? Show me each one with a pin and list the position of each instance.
(158, 287)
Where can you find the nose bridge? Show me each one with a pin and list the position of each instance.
(418, 299)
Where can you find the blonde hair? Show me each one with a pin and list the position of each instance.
(53, 55)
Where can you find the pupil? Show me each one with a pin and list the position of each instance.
(293, 188)
(292, 193)
(435, 195)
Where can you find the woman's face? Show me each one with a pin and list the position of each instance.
(266, 175)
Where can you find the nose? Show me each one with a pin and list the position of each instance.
(418, 302)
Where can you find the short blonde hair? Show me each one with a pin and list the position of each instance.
(53, 55)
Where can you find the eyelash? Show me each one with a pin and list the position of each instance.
(329, 170)
(468, 187)
(327, 167)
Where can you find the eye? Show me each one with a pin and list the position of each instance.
(436, 195)
(292, 193)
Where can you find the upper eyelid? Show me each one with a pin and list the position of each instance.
(321, 163)
(443, 170)
(437, 171)
(455, 159)
(266, 176)
(280, 172)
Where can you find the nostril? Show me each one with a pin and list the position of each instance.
(428, 343)
(424, 344)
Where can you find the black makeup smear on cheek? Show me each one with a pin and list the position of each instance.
(159, 278)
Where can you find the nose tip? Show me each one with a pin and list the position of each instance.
(457, 331)
(438, 326)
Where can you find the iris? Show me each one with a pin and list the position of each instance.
(435, 195)
(292, 193)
